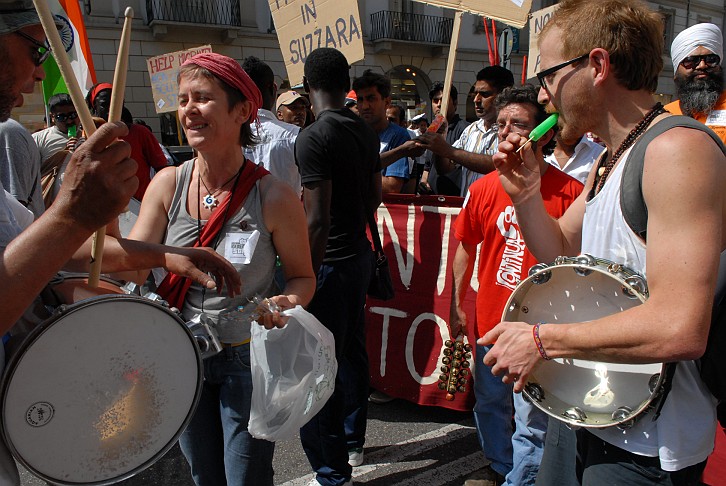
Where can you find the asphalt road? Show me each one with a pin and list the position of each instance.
(406, 445)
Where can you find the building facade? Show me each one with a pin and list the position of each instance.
(407, 40)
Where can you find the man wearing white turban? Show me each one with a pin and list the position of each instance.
(697, 53)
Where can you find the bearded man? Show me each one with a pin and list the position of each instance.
(697, 53)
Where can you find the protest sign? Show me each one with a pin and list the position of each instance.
(536, 23)
(511, 12)
(305, 25)
(163, 71)
(405, 336)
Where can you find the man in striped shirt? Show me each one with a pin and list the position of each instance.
(474, 149)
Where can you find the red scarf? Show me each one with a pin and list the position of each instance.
(174, 287)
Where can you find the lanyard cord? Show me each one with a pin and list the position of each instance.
(224, 220)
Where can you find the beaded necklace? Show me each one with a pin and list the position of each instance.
(603, 171)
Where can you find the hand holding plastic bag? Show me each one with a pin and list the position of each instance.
(293, 374)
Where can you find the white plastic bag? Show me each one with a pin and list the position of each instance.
(293, 374)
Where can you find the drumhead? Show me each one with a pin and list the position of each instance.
(581, 392)
(101, 391)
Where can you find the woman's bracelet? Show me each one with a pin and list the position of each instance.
(538, 341)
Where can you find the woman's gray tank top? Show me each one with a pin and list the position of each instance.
(255, 263)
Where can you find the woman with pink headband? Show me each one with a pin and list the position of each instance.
(223, 201)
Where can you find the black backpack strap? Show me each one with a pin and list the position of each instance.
(632, 203)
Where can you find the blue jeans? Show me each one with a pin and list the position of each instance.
(339, 305)
(216, 444)
(527, 442)
(493, 414)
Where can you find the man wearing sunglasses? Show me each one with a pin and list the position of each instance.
(601, 61)
(98, 184)
(63, 115)
(697, 53)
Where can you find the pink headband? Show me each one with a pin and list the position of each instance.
(229, 71)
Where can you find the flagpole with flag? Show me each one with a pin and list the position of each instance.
(75, 40)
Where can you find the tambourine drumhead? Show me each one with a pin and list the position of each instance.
(580, 392)
(101, 391)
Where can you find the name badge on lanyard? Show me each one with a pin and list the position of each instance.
(239, 247)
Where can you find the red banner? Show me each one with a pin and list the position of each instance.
(406, 335)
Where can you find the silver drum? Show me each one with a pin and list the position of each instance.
(101, 390)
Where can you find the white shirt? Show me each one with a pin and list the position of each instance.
(50, 141)
(275, 149)
(683, 434)
(476, 138)
(578, 166)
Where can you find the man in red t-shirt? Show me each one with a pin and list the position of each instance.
(488, 218)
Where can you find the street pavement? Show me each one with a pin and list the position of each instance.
(406, 445)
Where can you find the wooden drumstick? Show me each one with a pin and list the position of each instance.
(114, 115)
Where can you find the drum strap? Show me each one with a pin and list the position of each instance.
(174, 288)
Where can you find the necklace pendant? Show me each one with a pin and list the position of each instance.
(601, 171)
(210, 202)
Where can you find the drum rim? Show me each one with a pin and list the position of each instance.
(600, 266)
(35, 334)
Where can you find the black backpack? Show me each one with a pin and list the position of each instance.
(712, 365)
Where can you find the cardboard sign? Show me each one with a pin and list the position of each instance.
(163, 71)
(539, 19)
(305, 25)
(511, 12)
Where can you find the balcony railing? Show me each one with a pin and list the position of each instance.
(411, 27)
(211, 12)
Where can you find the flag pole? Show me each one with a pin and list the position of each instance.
(450, 62)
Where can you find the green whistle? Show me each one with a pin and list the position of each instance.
(540, 130)
(72, 131)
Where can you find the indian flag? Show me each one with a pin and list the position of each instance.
(75, 40)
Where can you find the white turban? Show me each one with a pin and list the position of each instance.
(705, 35)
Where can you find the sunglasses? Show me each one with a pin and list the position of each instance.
(542, 75)
(61, 117)
(40, 55)
(691, 62)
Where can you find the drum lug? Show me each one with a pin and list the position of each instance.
(537, 268)
(131, 288)
(534, 392)
(575, 413)
(638, 284)
(622, 414)
(541, 277)
(584, 261)
(154, 297)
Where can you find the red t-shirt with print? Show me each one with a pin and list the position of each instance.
(488, 218)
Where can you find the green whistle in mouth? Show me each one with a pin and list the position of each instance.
(72, 131)
(541, 129)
